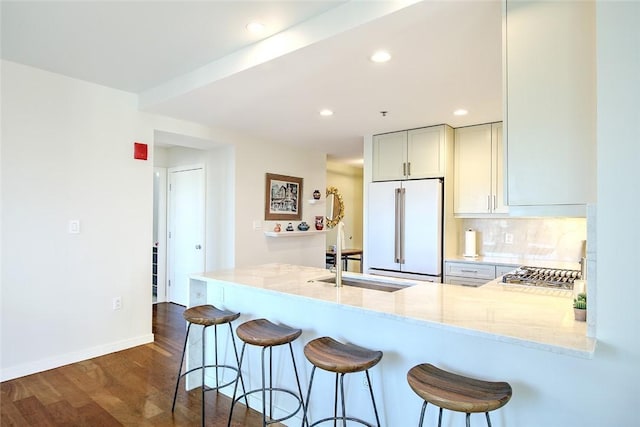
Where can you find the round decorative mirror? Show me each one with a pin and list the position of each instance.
(335, 207)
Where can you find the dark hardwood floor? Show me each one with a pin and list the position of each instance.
(133, 387)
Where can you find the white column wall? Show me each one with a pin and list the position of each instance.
(67, 154)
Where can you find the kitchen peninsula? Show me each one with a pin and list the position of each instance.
(487, 332)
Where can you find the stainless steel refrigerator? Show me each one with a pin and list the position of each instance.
(405, 229)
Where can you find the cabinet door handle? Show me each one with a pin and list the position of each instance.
(408, 168)
(489, 203)
(494, 203)
(404, 169)
(470, 271)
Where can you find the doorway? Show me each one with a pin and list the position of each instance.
(185, 230)
(159, 243)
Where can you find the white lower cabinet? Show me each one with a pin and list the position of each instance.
(473, 273)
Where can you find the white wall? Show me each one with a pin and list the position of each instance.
(253, 160)
(67, 153)
(616, 366)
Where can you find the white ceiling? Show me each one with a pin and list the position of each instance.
(196, 61)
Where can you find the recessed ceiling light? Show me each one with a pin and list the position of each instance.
(255, 27)
(381, 56)
(326, 112)
(460, 112)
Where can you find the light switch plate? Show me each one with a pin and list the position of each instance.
(74, 226)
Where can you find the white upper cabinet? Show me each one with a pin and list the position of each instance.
(412, 154)
(425, 152)
(389, 156)
(478, 170)
(550, 105)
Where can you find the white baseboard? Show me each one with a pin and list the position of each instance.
(21, 370)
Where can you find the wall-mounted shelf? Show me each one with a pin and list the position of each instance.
(293, 233)
(315, 201)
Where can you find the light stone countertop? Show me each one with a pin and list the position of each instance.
(532, 317)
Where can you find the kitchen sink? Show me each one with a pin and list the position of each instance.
(367, 284)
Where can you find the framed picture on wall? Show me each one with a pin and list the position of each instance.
(283, 198)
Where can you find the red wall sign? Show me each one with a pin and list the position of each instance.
(139, 151)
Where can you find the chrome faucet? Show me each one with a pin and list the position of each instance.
(340, 232)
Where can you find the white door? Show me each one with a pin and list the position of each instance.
(185, 231)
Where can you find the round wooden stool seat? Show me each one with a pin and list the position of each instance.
(263, 333)
(208, 315)
(456, 392)
(266, 334)
(331, 355)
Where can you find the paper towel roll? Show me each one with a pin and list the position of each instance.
(470, 243)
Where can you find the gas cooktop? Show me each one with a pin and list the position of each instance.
(544, 277)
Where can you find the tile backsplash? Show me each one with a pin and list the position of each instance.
(558, 239)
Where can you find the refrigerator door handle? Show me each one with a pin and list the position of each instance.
(401, 227)
(396, 250)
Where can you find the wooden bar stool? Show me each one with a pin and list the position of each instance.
(208, 315)
(330, 355)
(265, 334)
(456, 392)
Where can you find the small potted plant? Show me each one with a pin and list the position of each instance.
(580, 307)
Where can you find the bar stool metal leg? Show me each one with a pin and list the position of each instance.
(306, 408)
(184, 348)
(235, 387)
(424, 408)
(373, 400)
(264, 390)
(203, 370)
(335, 397)
(295, 371)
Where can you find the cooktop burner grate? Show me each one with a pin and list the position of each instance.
(545, 277)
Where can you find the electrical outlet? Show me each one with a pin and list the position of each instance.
(117, 303)
(508, 238)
